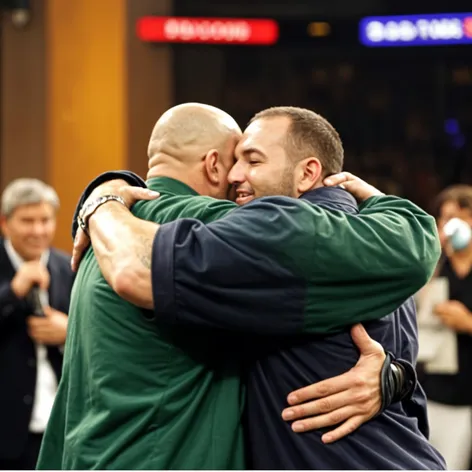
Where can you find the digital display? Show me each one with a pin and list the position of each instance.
(416, 30)
(166, 29)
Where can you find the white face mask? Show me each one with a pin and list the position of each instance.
(459, 233)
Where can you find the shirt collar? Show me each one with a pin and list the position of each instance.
(17, 261)
(333, 198)
(166, 185)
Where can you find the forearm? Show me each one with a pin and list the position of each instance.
(122, 245)
(406, 238)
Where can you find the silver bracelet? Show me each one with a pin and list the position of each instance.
(88, 210)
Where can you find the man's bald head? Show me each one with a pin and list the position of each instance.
(194, 143)
(187, 132)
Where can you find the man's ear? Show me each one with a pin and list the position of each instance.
(308, 174)
(211, 166)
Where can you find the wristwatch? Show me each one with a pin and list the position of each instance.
(88, 210)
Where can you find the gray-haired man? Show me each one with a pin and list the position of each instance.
(30, 345)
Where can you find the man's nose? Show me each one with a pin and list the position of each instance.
(236, 174)
(38, 228)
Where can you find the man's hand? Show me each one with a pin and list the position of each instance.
(360, 189)
(30, 274)
(352, 398)
(128, 193)
(50, 329)
(455, 315)
(121, 188)
(81, 243)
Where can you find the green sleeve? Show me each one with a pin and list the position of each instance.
(371, 265)
(284, 266)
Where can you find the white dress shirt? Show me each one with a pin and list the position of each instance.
(46, 382)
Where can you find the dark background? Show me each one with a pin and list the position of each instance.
(404, 113)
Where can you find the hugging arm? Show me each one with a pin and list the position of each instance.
(278, 270)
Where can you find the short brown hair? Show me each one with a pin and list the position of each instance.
(309, 135)
(460, 194)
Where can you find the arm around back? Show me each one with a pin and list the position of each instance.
(280, 266)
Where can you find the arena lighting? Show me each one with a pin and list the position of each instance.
(167, 29)
(20, 11)
(318, 28)
(416, 30)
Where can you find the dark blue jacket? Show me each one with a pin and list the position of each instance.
(396, 439)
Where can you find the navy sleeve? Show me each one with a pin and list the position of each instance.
(130, 177)
(199, 279)
(416, 407)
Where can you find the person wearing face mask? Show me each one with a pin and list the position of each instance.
(450, 395)
(35, 286)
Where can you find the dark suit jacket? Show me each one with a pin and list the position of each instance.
(17, 351)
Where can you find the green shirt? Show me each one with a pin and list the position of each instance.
(134, 395)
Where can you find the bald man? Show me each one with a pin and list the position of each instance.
(133, 396)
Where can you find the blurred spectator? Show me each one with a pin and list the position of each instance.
(450, 396)
(30, 345)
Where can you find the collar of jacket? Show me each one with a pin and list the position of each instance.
(332, 198)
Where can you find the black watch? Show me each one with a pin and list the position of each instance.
(397, 381)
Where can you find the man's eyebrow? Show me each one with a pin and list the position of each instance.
(251, 150)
